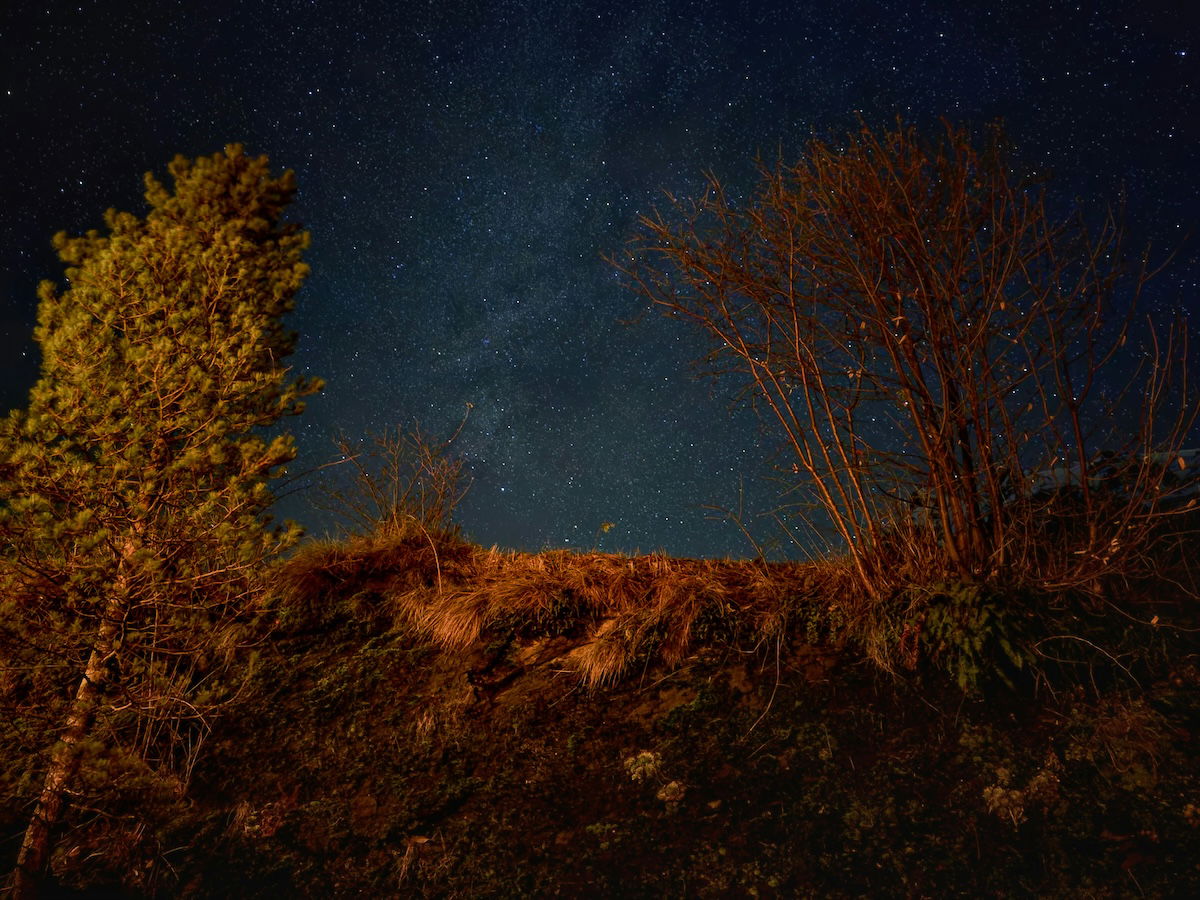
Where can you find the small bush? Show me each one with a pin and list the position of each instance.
(969, 630)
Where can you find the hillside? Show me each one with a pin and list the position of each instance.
(442, 720)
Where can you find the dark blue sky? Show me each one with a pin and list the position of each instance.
(463, 166)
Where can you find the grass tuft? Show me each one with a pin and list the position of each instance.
(620, 606)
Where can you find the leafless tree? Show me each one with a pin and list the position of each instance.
(931, 343)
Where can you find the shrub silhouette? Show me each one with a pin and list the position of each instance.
(924, 336)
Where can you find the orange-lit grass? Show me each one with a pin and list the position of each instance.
(622, 607)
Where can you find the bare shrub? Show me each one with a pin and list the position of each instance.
(934, 347)
(404, 482)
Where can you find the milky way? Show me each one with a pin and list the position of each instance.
(463, 169)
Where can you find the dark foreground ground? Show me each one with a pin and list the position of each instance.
(364, 758)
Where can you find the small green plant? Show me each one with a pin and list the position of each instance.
(968, 630)
(1011, 803)
(647, 766)
(671, 794)
(643, 766)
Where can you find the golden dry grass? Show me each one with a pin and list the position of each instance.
(622, 607)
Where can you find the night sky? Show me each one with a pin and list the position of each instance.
(464, 166)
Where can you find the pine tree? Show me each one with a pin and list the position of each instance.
(135, 481)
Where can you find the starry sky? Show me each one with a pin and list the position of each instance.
(463, 167)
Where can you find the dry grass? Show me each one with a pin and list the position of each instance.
(621, 607)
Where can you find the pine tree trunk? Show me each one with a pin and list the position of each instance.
(37, 844)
